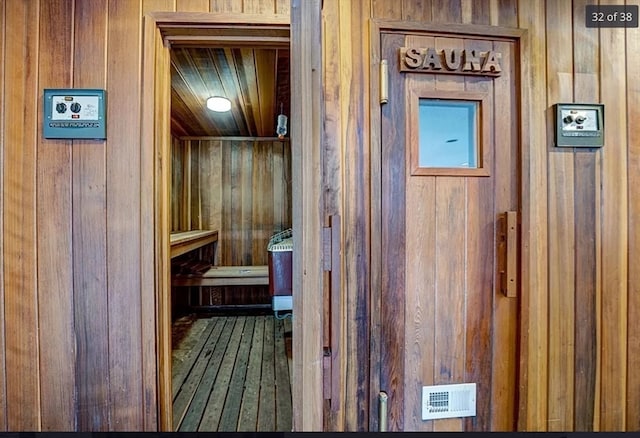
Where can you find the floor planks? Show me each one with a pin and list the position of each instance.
(231, 373)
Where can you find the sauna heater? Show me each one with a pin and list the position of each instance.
(280, 253)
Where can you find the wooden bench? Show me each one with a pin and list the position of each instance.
(226, 276)
(185, 241)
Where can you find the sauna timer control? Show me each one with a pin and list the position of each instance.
(579, 125)
(74, 113)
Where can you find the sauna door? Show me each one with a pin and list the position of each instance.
(449, 173)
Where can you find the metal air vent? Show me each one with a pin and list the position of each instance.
(448, 401)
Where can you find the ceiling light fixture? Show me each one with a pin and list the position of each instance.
(219, 104)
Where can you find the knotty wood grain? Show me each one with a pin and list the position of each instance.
(534, 305)
(561, 225)
(89, 228)
(614, 231)
(20, 136)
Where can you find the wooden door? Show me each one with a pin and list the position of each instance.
(444, 317)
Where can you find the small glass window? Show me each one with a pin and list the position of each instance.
(448, 134)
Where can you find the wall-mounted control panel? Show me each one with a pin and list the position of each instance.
(579, 125)
(74, 113)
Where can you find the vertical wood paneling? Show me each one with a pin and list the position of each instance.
(480, 258)
(155, 206)
(54, 231)
(505, 309)
(534, 331)
(258, 6)
(3, 369)
(446, 11)
(89, 228)
(232, 6)
(587, 187)
(335, 418)
(386, 10)
(241, 188)
(123, 216)
(633, 142)
(392, 242)
(357, 217)
(307, 196)
(449, 293)
(19, 210)
(561, 224)
(614, 230)
(192, 5)
(420, 308)
(414, 11)
(283, 7)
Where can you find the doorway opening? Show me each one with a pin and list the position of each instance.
(231, 298)
(164, 31)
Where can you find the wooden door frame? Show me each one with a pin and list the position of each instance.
(160, 30)
(531, 167)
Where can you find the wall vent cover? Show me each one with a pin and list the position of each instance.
(448, 401)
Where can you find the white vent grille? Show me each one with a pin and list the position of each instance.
(448, 401)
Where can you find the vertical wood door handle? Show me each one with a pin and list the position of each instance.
(509, 284)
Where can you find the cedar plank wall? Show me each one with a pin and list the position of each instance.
(71, 238)
(242, 188)
(77, 346)
(578, 351)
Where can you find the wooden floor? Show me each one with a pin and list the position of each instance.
(231, 373)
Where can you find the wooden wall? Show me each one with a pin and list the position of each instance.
(579, 348)
(240, 187)
(77, 316)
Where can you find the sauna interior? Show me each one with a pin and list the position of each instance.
(231, 239)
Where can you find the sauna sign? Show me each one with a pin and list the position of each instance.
(453, 61)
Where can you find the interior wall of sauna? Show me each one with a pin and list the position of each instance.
(239, 187)
(574, 326)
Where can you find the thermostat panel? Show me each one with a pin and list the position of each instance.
(74, 113)
(579, 125)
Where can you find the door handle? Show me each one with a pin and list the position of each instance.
(509, 273)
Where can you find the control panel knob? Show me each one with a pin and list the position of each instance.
(61, 107)
(580, 120)
(75, 107)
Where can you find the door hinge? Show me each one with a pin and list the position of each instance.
(384, 81)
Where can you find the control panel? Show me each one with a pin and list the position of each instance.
(74, 113)
(579, 125)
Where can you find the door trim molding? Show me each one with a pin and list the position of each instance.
(155, 148)
(530, 165)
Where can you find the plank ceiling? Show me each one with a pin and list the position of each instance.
(256, 80)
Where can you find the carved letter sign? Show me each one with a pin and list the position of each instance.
(452, 61)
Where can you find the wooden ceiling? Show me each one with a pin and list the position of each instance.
(256, 80)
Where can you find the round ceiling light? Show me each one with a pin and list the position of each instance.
(219, 104)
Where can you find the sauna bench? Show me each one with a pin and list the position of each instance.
(226, 276)
(186, 241)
